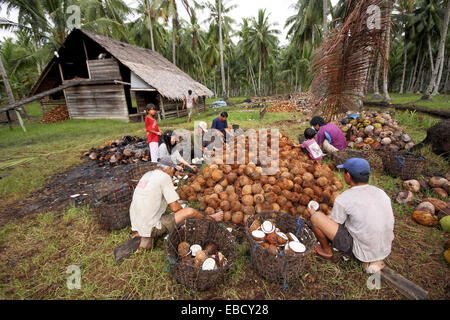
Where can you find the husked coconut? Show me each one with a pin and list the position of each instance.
(437, 182)
(405, 197)
(441, 192)
(237, 217)
(412, 185)
(426, 206)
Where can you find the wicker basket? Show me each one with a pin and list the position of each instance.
(136, 173)
(280, 268)
(113, 210)
(407, 166)
(199, 232)
(342, 156)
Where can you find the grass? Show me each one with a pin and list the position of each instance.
(37, 250)
(438, 102)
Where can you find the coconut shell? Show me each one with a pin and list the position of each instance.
(232, 177)
(200, 257)
(248, 210)
(225, 205)
(227, 216)
(440, 192)
(257, 188)
(183, 249)
(237, 217)
(247, 200)
(437, 182)
(438, 204)
(235, 206)
(258, 198)
(246, 190)
(272, 238)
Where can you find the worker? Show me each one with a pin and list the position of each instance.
(153, 132)
(221, 125)
(361, 223)
(167, 149)
(329, 137)
(310, 146)
(188, 103)
(154, 193)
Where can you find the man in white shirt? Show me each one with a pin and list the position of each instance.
(361, 223)
(154, 193)
(189, 101)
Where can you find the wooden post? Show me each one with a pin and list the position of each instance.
(406, 287)
(161, 106)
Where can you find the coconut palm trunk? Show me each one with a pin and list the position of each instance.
(387, 98)
(222, 67)
(405, 62)
(325, 20)
(434, 81)
(376, 80)
(150, 25)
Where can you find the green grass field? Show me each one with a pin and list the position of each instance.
(37, 250)
(438, 102)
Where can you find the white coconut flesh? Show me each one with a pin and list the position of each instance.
(313, 205)
(195, 248)
(258, 235)
(293, 237)
(282, 235)
(209, 264)
(268, 227)
(297, 247)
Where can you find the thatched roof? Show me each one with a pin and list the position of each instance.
(170, 81)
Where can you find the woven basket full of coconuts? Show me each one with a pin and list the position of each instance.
(199, 253)
(279, 245)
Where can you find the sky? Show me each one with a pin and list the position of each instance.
(279, 11)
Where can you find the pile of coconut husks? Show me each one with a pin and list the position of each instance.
(375, 131)
(127, 150)
(242, 190)
(57, 114)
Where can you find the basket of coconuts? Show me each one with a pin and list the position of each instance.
(407, 166)
(199, 253)
(279, 245)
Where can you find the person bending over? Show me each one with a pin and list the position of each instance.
(310, 146)
(154, 193)
(328, 135)
(361, 223)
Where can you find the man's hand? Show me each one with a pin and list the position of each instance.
(309, 213)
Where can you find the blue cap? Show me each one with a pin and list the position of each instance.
(357, 167)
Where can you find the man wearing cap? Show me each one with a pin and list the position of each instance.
(154, 193)
(361, 223)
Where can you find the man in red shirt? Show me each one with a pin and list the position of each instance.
(153, 132)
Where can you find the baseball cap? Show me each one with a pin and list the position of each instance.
(357, 167)
(202, 125)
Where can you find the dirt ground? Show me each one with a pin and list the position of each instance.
(88, 180)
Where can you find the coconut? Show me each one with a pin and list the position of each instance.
(211, 249)
(257, 188)
(425, 218)
(282, 238)
(246, 190)
(386, 141)
(209, 265)
(247, 200)
(225, 205)
(267, 227)
(292, 237)
(437, 182)
(218, 189)
(255, 226)
(405, 197)
(237, 217)
(220, 259)
(445, 224)
(217, 175)
(232, 177)
(236, 206)
(426, 206)
(194, 249)
(272, 238)
(227, 216)
(440, 192)
(258, 235)
(438, 204)
(209, 211)
(412, 185)
(294, 248)
(184, 249)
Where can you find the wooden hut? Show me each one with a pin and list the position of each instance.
(115, 74)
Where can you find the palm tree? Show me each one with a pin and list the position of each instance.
(169, 10)
(387, 98)
(262, 40)
(433, 86)
(325, 19)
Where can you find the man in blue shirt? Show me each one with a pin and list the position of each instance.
(221, 123)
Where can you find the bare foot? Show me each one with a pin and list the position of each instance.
(218, 217)
(135, 234)
(146, 244)
(374, 267)
(323, 253)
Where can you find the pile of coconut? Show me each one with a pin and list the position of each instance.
(241, 190)
(430, 209)
(374, 131)
(208, 258)
(268, 236)
(124, 151)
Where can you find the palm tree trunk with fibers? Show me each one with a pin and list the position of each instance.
(440, 58)
(222, 67)
(174, 36)
(387, 98)
(376, 80)
(325, 20)
(150, 25)
(405, 62)
(10, 94)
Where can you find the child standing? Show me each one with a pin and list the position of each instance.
(153, 132)
(310, 146)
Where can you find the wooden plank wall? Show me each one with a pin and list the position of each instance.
(107, 69)
(173, 109)
(97, 102)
